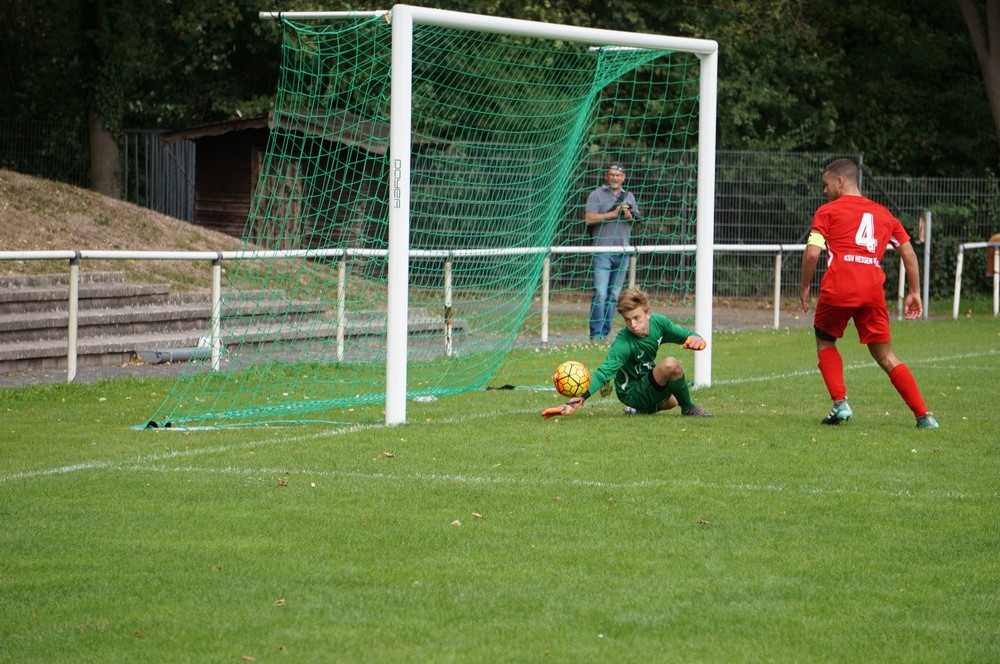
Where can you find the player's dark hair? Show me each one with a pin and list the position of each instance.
(843, 168)
(631, 298)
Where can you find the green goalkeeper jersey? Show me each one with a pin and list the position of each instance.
(630, 357)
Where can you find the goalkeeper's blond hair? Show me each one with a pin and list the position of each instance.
(632, 298)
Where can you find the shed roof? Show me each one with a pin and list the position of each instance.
(216, 129)
(337, 125)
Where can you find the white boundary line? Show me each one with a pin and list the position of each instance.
(177, 454)
(269, 473)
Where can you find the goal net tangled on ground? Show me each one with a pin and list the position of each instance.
(426, 186)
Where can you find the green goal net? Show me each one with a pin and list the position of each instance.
(468, 191)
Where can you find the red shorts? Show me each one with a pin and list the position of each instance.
(872, 322)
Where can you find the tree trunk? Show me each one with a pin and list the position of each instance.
(986, 43)
(105, 176)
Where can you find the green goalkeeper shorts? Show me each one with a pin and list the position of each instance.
(645, 398)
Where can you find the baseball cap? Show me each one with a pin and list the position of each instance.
(614, 166)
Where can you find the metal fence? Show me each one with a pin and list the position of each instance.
(159, 176)
(770, 197)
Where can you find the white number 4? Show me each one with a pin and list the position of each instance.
(866, 233)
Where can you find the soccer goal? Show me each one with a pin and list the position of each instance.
(424, 184)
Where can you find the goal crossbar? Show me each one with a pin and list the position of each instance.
(512, 26)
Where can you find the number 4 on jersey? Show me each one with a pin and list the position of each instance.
(866, 233)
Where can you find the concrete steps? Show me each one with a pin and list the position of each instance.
(117, 319)
(120, 322)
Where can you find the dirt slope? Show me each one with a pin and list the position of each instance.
(37, 214)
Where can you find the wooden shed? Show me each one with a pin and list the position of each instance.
(228, 156)
(342, 160)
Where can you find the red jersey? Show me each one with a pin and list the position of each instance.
(857, 232)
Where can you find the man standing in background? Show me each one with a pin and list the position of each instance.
(609, 215)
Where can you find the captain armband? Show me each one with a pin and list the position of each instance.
(816, 239)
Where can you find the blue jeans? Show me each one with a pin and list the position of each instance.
(609, 277)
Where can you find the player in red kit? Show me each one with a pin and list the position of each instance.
(856, 232)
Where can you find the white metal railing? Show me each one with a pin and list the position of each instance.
(960, 259)
(447, 256)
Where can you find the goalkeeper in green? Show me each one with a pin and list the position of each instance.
(641, 383)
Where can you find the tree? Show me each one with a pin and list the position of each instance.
(134, 63)
(907, 89)
(986, 43)
(774, 87)
(104, 112)
(896, 80)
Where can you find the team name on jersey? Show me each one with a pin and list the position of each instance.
(864, 260)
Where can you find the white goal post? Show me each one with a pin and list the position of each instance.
(402, 19)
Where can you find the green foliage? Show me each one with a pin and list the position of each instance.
(944, 258)
(140, 63)
(756, 535)
(909, 92)
(207, 62)
(774, 82)
(42, 60)
(565, 12)
(895, 81)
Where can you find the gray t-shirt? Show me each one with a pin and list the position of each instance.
(610, 233)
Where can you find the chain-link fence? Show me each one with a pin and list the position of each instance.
(769, 198)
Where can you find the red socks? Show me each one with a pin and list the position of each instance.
(906, 385)
(831, 366)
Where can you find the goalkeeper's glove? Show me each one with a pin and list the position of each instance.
(694, 342)
(565, 409)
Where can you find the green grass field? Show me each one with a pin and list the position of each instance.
(755, 536)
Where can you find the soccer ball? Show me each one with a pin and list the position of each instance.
(571, 379)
